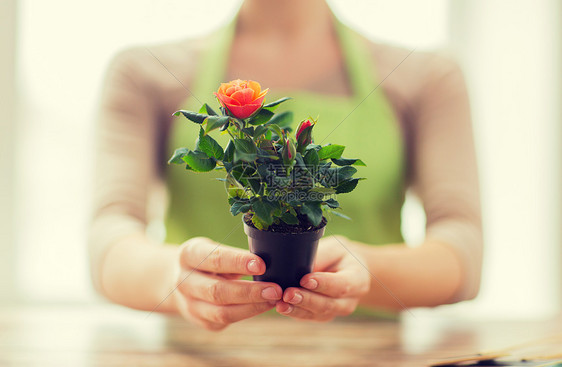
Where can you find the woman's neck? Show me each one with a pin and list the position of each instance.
(284, 19)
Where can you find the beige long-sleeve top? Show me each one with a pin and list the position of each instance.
(427, 92)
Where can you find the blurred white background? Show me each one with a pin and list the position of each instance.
(510, 52)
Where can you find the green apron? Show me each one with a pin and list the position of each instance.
(198, 202)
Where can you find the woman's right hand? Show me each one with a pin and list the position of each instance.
(209, 291)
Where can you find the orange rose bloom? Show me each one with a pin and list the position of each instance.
(241, 98)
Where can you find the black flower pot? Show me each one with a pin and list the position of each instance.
(288, 256)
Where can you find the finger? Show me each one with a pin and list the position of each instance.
(300, 313)
(318, 303)
(225, 315)
(331, 254)
(203, 254)
(342, 284)
(220, 291)
(186, 314)
(231, 276)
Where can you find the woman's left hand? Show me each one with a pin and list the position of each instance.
(335, 286)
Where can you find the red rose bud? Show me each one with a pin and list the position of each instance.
(289, 152)
(303, 125)
(304, 134)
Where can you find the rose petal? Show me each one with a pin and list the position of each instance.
(227, 100)
(243, 112)
(244, 96)
(263, 93)
(231, 90)
(256, 87)
(258, 100)
(223, 88)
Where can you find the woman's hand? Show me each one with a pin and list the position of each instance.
(210, 292)
(333, 288)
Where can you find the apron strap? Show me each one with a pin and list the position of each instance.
(358, 61)
(211, 70)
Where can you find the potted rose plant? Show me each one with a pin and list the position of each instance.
(283, 185)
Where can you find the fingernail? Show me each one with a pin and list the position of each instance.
(253, 266)
(270, 293)
(310, 284)
(297, 298)
(288, 310)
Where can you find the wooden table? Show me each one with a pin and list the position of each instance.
(112, 336)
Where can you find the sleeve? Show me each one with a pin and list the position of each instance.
(125, 157)
(445, 174)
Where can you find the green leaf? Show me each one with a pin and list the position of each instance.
(338, 214)
(249, 130)
(332, 203)
(207, 110)
(348, 162)
(215, 122)
(234, 182)
(239, 206)
(333, 151)
(240, 173)
(347, 186)
(275, 129)
(235, 193)
(225, 126)
(313, 212)
(245, 145)
(268, 135)
(300, 161)
(198, 118)
(311, 158)
(273, 105)
(227, 165)
(260, 130)
(283, 119)
(261, 117)
(275, 205)
(232, 200)
(324, 167)
(229, 152)
(264, 211)
(344, 173)
(209, 146)
(290, 219)
(266, 172)
(294, 203)
(323, 190)
(315, 147)
(326, 175)
(245, 150)
(255, 184)
(267, 154)
(258, 223)
(199, 161)
(177, 157)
